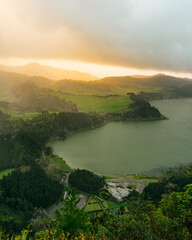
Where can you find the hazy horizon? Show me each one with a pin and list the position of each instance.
(116, 71)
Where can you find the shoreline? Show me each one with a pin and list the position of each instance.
(107, 118)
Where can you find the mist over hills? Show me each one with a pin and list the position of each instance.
(21, 93)
(35, 69)
(101, 87)
(159, 80)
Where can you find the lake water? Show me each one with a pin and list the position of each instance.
(121, 148)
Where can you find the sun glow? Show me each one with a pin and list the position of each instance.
(97, 70)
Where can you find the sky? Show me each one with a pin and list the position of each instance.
(103, 37)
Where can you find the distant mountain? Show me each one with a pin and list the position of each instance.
(152, 87)
(157, 86)
(159, 80)
(35, 69)
(122, 85)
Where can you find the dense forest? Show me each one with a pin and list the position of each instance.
(6, 123)
(22, 191)
(24, 144)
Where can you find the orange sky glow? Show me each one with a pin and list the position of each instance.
(97, 70)
(104, 38)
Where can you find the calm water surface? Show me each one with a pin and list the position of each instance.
(121, 148)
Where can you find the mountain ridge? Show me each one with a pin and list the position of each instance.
(53, 73)
(102, 87)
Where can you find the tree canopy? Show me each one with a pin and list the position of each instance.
(86, 181)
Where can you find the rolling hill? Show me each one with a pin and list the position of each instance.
(156, 81)
(35, 69)
(37, 93)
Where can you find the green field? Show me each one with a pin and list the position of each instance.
(97, 104)
(142, 177)
(96, 204)
(61, 164)
(113, 205)
(6, 172)
(136, 88)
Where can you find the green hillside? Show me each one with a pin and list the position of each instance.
(96, 103)
(155, 81)
(85, 88)
(102, 87)
(21, 94)
(35, 69)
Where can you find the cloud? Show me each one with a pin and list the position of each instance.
(150, 34)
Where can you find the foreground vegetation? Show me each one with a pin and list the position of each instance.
(170, 219)
(22, 191)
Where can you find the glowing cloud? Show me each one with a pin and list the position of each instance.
(150, 34)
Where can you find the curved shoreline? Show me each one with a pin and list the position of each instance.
(90, 128)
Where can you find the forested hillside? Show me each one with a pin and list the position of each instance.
(24, 144)
(21, 145)
(22, 191)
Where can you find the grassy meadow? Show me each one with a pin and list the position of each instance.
(61, 164)
(97, 104)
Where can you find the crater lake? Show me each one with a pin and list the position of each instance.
(121, 148)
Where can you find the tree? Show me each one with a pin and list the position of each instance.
(86, 181)
(177, 206)
(70, 219)
(48, 150)
(153, 192)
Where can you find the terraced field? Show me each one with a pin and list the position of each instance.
(96, 204)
